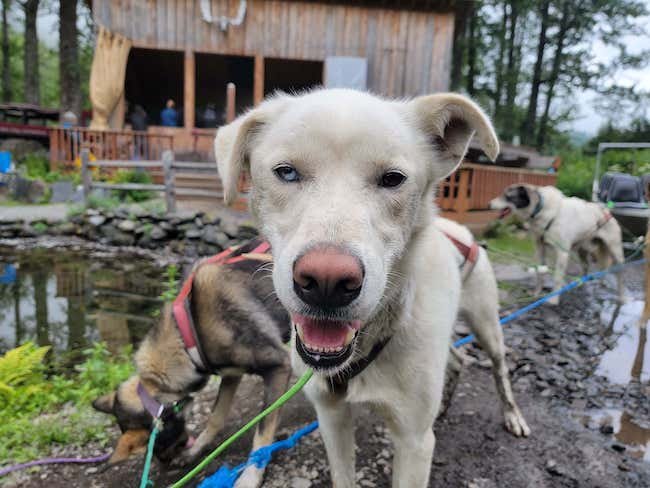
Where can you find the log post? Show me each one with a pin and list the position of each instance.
(170, 194)
(86, 177)
(189, 94)
(231, 95)
(258, 80)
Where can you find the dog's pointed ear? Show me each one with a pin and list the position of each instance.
(450, 120)
(233, 142)
(105, 403)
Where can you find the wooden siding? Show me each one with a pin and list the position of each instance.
(408, 52)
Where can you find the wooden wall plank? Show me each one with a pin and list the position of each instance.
(408, 51)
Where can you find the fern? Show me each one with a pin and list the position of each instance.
(21, 366)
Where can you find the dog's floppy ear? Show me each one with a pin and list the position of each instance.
(233, 142)
(105, 403)
(450, 120)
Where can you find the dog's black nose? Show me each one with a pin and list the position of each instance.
(327, 277)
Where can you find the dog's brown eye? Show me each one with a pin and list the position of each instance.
(287, 173)
(392, 179)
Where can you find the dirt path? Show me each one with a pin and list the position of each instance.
(561, 385)
(54, 212)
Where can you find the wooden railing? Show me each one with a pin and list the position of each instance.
(106, 145)
(474, 185)
(172, 171)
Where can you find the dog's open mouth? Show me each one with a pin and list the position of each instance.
(323, 343)
(504, 212)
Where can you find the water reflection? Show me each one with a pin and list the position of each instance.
(68, 300)
(626, 360)
(626, 430)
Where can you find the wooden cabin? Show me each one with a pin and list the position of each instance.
(189, 50)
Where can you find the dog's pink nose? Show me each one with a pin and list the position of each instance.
(327, 276)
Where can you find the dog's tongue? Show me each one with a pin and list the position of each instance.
(324, 333)
(504, 212)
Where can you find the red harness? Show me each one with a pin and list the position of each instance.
(181, 307)
(469, 253)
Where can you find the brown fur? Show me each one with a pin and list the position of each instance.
(241, 327)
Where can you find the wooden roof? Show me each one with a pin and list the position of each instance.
(433, 5)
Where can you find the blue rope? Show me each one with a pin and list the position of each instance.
(560, 291)
(226, 476)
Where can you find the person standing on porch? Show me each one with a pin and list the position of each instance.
(169, 115)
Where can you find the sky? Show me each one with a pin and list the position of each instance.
(587, 121)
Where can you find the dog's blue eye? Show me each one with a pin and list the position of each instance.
(392, 179)
(287, 173)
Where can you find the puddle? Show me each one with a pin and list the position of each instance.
(69, 300)
(626, 431)
(629, 360)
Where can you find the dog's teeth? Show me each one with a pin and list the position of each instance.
(299, 332)
(350, 335)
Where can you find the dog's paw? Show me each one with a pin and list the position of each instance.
(516, 424)
(250, 478)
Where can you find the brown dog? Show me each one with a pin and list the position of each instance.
(241, 328)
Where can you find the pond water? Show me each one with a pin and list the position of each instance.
(70, 299)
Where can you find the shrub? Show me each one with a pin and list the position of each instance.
(131, 176)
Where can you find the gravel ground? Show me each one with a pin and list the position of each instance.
(590, 421)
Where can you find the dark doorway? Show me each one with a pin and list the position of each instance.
(213, 73)
(152, 77)
(291, 75)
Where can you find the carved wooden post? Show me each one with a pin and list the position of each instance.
(86, 177)
(170, 194)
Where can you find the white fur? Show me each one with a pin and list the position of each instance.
(341, 142)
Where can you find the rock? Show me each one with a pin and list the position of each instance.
(193, 233)
(619, 447)
(127, 226)
(212, 235)
(62, 191)
(96, 220)
(157, 233)
(553, 468)
(229, 228)
(299, 482)
(606, 429)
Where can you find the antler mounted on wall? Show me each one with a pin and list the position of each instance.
(224, 22)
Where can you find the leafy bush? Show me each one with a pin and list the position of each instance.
(131, 176)
(40, 409)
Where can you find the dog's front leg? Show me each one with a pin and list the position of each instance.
(561, 262)
(275, 383)
(414, 447)
(217, 419)
(336, 425)
(540, 257)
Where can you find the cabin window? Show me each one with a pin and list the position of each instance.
(154, 76)
(291, 75)
(213, 73)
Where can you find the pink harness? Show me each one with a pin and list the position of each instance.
(181, 306)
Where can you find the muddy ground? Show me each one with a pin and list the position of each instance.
(575, 385)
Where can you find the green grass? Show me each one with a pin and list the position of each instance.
(507, 240)
(40, 410)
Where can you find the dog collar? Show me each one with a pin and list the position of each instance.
(339, 383)
(154, 407)
(538, 207)
(181, 308)
(150, 404)
(469, 253)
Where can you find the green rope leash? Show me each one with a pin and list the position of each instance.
(145, 482)
(225, 444)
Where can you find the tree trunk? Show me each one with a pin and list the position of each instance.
(528, 127)
(498, 88)
(512, 73)
(555, 72)
(471, 52)
(17, 314)
(32, 82)
(460, 42)
(69, 57)
(6, 70)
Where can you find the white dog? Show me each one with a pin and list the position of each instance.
(342, 186)
(563, 226)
